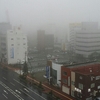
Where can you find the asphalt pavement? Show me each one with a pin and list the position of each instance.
(11, 88)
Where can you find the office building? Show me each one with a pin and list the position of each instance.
(16, 46)
(87, 39)
(41, 40)
(73, 27)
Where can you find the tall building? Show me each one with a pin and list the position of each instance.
(87, 40)
(3, 47)
(4, 27)
(41, 40)
(49, 39)
(44, 40)
(73, 27)
(16, 46)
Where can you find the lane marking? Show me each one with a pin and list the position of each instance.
(5, 91)
(5, 96)
(27, 94)
(29, 89)
(12, 83)
(4, 78)
(11, 91)
(26, 90)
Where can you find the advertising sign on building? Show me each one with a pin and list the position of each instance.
(12, 52)
(47, 71)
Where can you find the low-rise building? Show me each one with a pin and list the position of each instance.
(81, 81)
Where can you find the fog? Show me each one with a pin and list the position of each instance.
(40, 14)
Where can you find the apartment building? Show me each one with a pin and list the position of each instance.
(16, 46)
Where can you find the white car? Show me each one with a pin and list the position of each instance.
(18, 91)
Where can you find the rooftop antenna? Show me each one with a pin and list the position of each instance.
(7, 16)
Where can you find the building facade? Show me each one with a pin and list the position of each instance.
(87, 39)
(49, 39)
(73, 27)
(44, 41)
(16, 46)
(3, 47)
(87, 42)
(41, 40)
(4, 27)
(81, 81)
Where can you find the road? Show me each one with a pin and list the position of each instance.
(12, 89)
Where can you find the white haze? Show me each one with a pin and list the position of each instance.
(39, 14)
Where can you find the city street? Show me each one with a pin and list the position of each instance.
(12, 89)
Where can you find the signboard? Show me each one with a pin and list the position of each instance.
(47, 71)
(12, 53)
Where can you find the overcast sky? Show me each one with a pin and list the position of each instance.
(32, 14)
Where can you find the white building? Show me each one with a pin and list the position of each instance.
(56, 73)
(73, 27)
(16, 46)
(87, 42)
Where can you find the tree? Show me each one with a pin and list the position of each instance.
(25, 69)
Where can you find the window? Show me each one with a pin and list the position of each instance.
(12, 44)
(80, 77)
(97, 77)
(64, 73)
(65, 81)
(80, 86)
(89, 90)
(73, 83)
(23, 38)
(12, 39)
(24, 43)
(90, 70)
(99, 87)
(92, 85)
(91, 78)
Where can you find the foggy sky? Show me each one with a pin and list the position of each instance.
(32, 14)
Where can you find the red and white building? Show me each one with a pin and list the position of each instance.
(81, 81)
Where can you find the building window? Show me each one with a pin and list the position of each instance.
(65, 81)
(65, 73)
(80, 86)
(89, 90)
(80, 77)
(73, 83)
(12, 39)
(12, 44)
(23, 38)
(99, 87)
(24, 43)
(97, 77)
(92, 85)
(90, 70)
